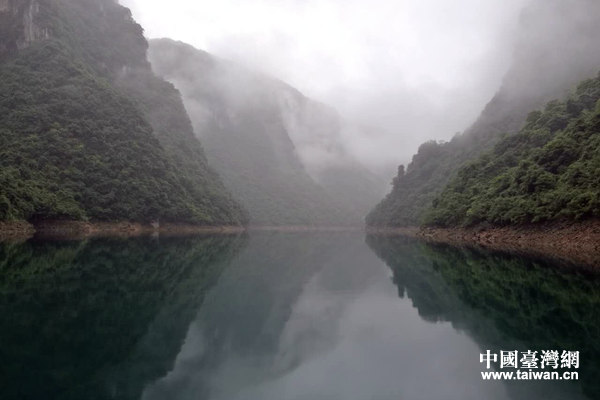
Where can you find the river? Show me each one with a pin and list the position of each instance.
(286, 316)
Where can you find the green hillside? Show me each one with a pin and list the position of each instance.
(549, 171)
(551, 56)
(87, 132)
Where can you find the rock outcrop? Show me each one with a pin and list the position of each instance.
(19, 25)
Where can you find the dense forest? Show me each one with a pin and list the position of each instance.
(542, 70)
(549, 171)
(278, 151)
(87, 132)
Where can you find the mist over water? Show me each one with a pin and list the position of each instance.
(279, 124)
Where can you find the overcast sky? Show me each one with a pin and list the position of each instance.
(414, 69)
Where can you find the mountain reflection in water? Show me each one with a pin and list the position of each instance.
(283, 316)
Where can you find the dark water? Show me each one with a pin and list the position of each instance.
(280, 316)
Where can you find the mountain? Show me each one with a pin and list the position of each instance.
(87, 131)
(278, 151)
(557, 47)
(549, 171)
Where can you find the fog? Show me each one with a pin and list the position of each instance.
(406, 70)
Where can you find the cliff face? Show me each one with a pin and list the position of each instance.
(19, 26)
(278, 151)
(317, 133)
(556, 48)
(78, 127)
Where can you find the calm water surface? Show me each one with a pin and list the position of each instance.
(278, 316)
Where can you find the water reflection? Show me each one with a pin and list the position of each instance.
(310, 316)
(99, 319)
(282, 316)
(504, 302)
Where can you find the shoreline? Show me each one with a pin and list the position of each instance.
(77, 230)
(304, 228)
(16, 230)
(574, 242)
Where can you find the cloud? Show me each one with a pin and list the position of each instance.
(413, 70)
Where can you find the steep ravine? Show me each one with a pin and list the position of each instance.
(279, 152)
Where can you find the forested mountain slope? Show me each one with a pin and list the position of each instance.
(549, 171)
(278, 151)
(87, 131)
(557, 47)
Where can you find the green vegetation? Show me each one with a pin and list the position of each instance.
(549, 171)
(414, 188)
(552, 55)
(80, 138)
(162, 107)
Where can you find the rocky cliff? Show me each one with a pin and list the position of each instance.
(20, 25)
(278, 151)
